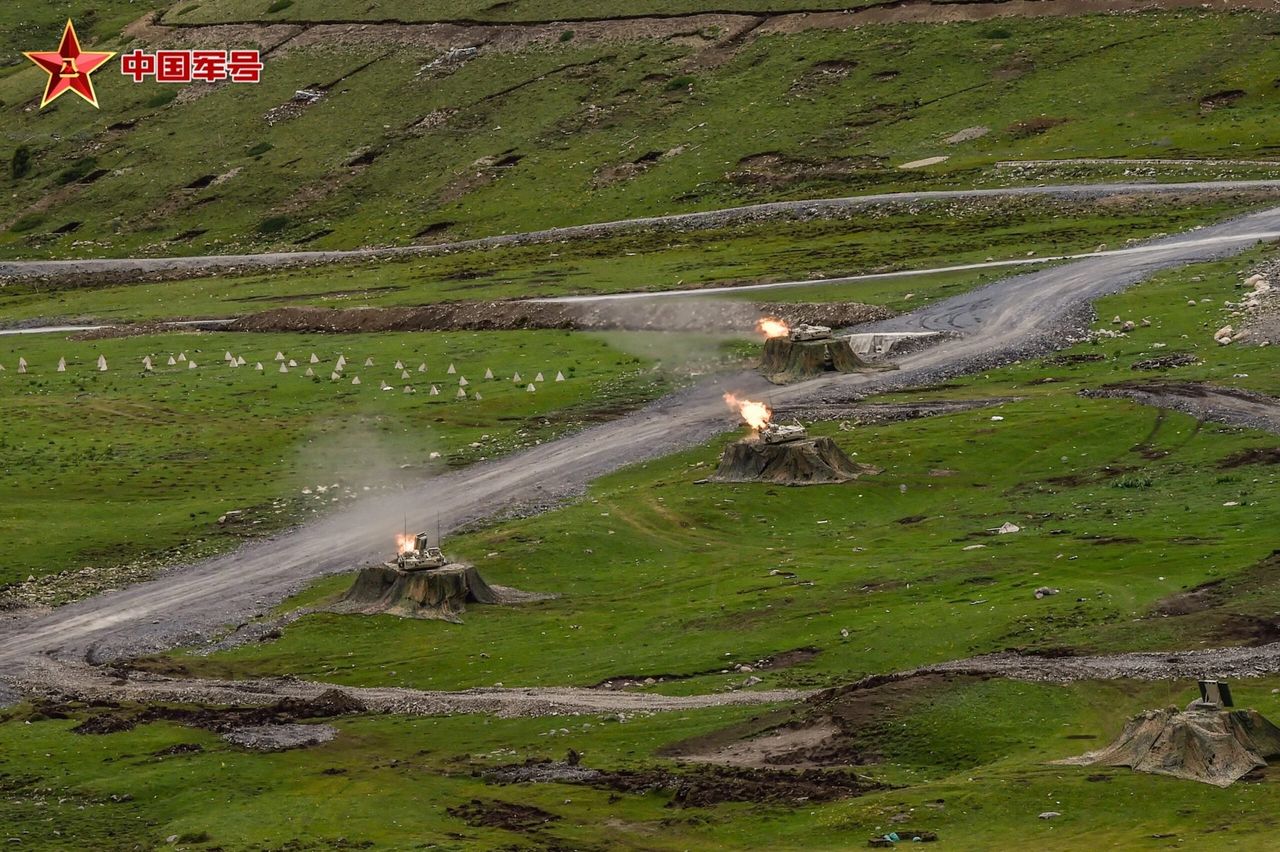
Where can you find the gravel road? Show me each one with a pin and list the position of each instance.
(1015, 318)
(123, 268)
(77, 680)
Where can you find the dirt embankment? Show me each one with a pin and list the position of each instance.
(1207, 402)
(683, 315)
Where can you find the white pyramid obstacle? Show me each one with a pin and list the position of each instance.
(240, 362)
(146, 364)
(532, 389)
(342, 361)
(356, 380)
(488, 374)
(405, 374)
(22, 365)
(62, 365)
(284, 368)
(314, 359)
(258, 366)
(478, 396)
(233, 364)
(310, 372)
(462, 382)
(408, 389)
(422, 368)
(228, 357)
(279, 356)
(334, 376)
(539, 378)
(292, 363)
(102, 363)
(559, 376)
(399, 365)
(182, 357)
(462, 394)
(191, 365)
(435, 391)
(386, 387)
(516, 379)
(453, 371)
(173, 362)
(368, 362)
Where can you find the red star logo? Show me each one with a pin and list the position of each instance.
(69, 68)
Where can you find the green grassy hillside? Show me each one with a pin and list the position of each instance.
(585, 132)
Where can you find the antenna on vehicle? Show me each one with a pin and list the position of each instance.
(439, 540)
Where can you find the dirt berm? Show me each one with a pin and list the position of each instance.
(689, 314)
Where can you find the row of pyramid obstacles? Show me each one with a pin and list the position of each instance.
(286, 365)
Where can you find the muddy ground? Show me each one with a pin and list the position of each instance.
(1203, 401)
(695, 786)
(686, 315)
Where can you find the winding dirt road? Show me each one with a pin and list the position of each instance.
(1010, 319)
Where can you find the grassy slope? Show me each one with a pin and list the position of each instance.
(676, 586)
(99, 469)
(675, 557)
(217, 11)
(1148, 72)
(932, 235)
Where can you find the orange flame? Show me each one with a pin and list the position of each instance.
(770, 327)
(404, 543)
(755, 414)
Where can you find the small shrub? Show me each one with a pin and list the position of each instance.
(77, 170)
(260, 149)
(998, 33)
(273, 225)
(20, 165)
(677, 83)
(29, 222)
(162, 98)
(1132, 480)
(279, 6)
(567, 35)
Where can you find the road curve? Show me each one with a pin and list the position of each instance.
(811, 208)
(1005, 320)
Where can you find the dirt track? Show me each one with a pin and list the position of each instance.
(1206, 402)
(83, 682)
(113, 270)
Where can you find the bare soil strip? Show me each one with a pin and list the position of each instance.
(59, 681)
(688, 315)
(1205, 402)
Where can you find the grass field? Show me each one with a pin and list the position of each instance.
(973, 756)
(219, 11)
(930, 235)
(148, 463)
(1122, 485)
(505, 143)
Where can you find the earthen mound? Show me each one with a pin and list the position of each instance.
(813, 461)
(440, 593)
(786, 360)
(1214, 746)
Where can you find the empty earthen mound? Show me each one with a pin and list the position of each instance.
(1214, 746)
(813, 461)
(440, 593)
(786, 360)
